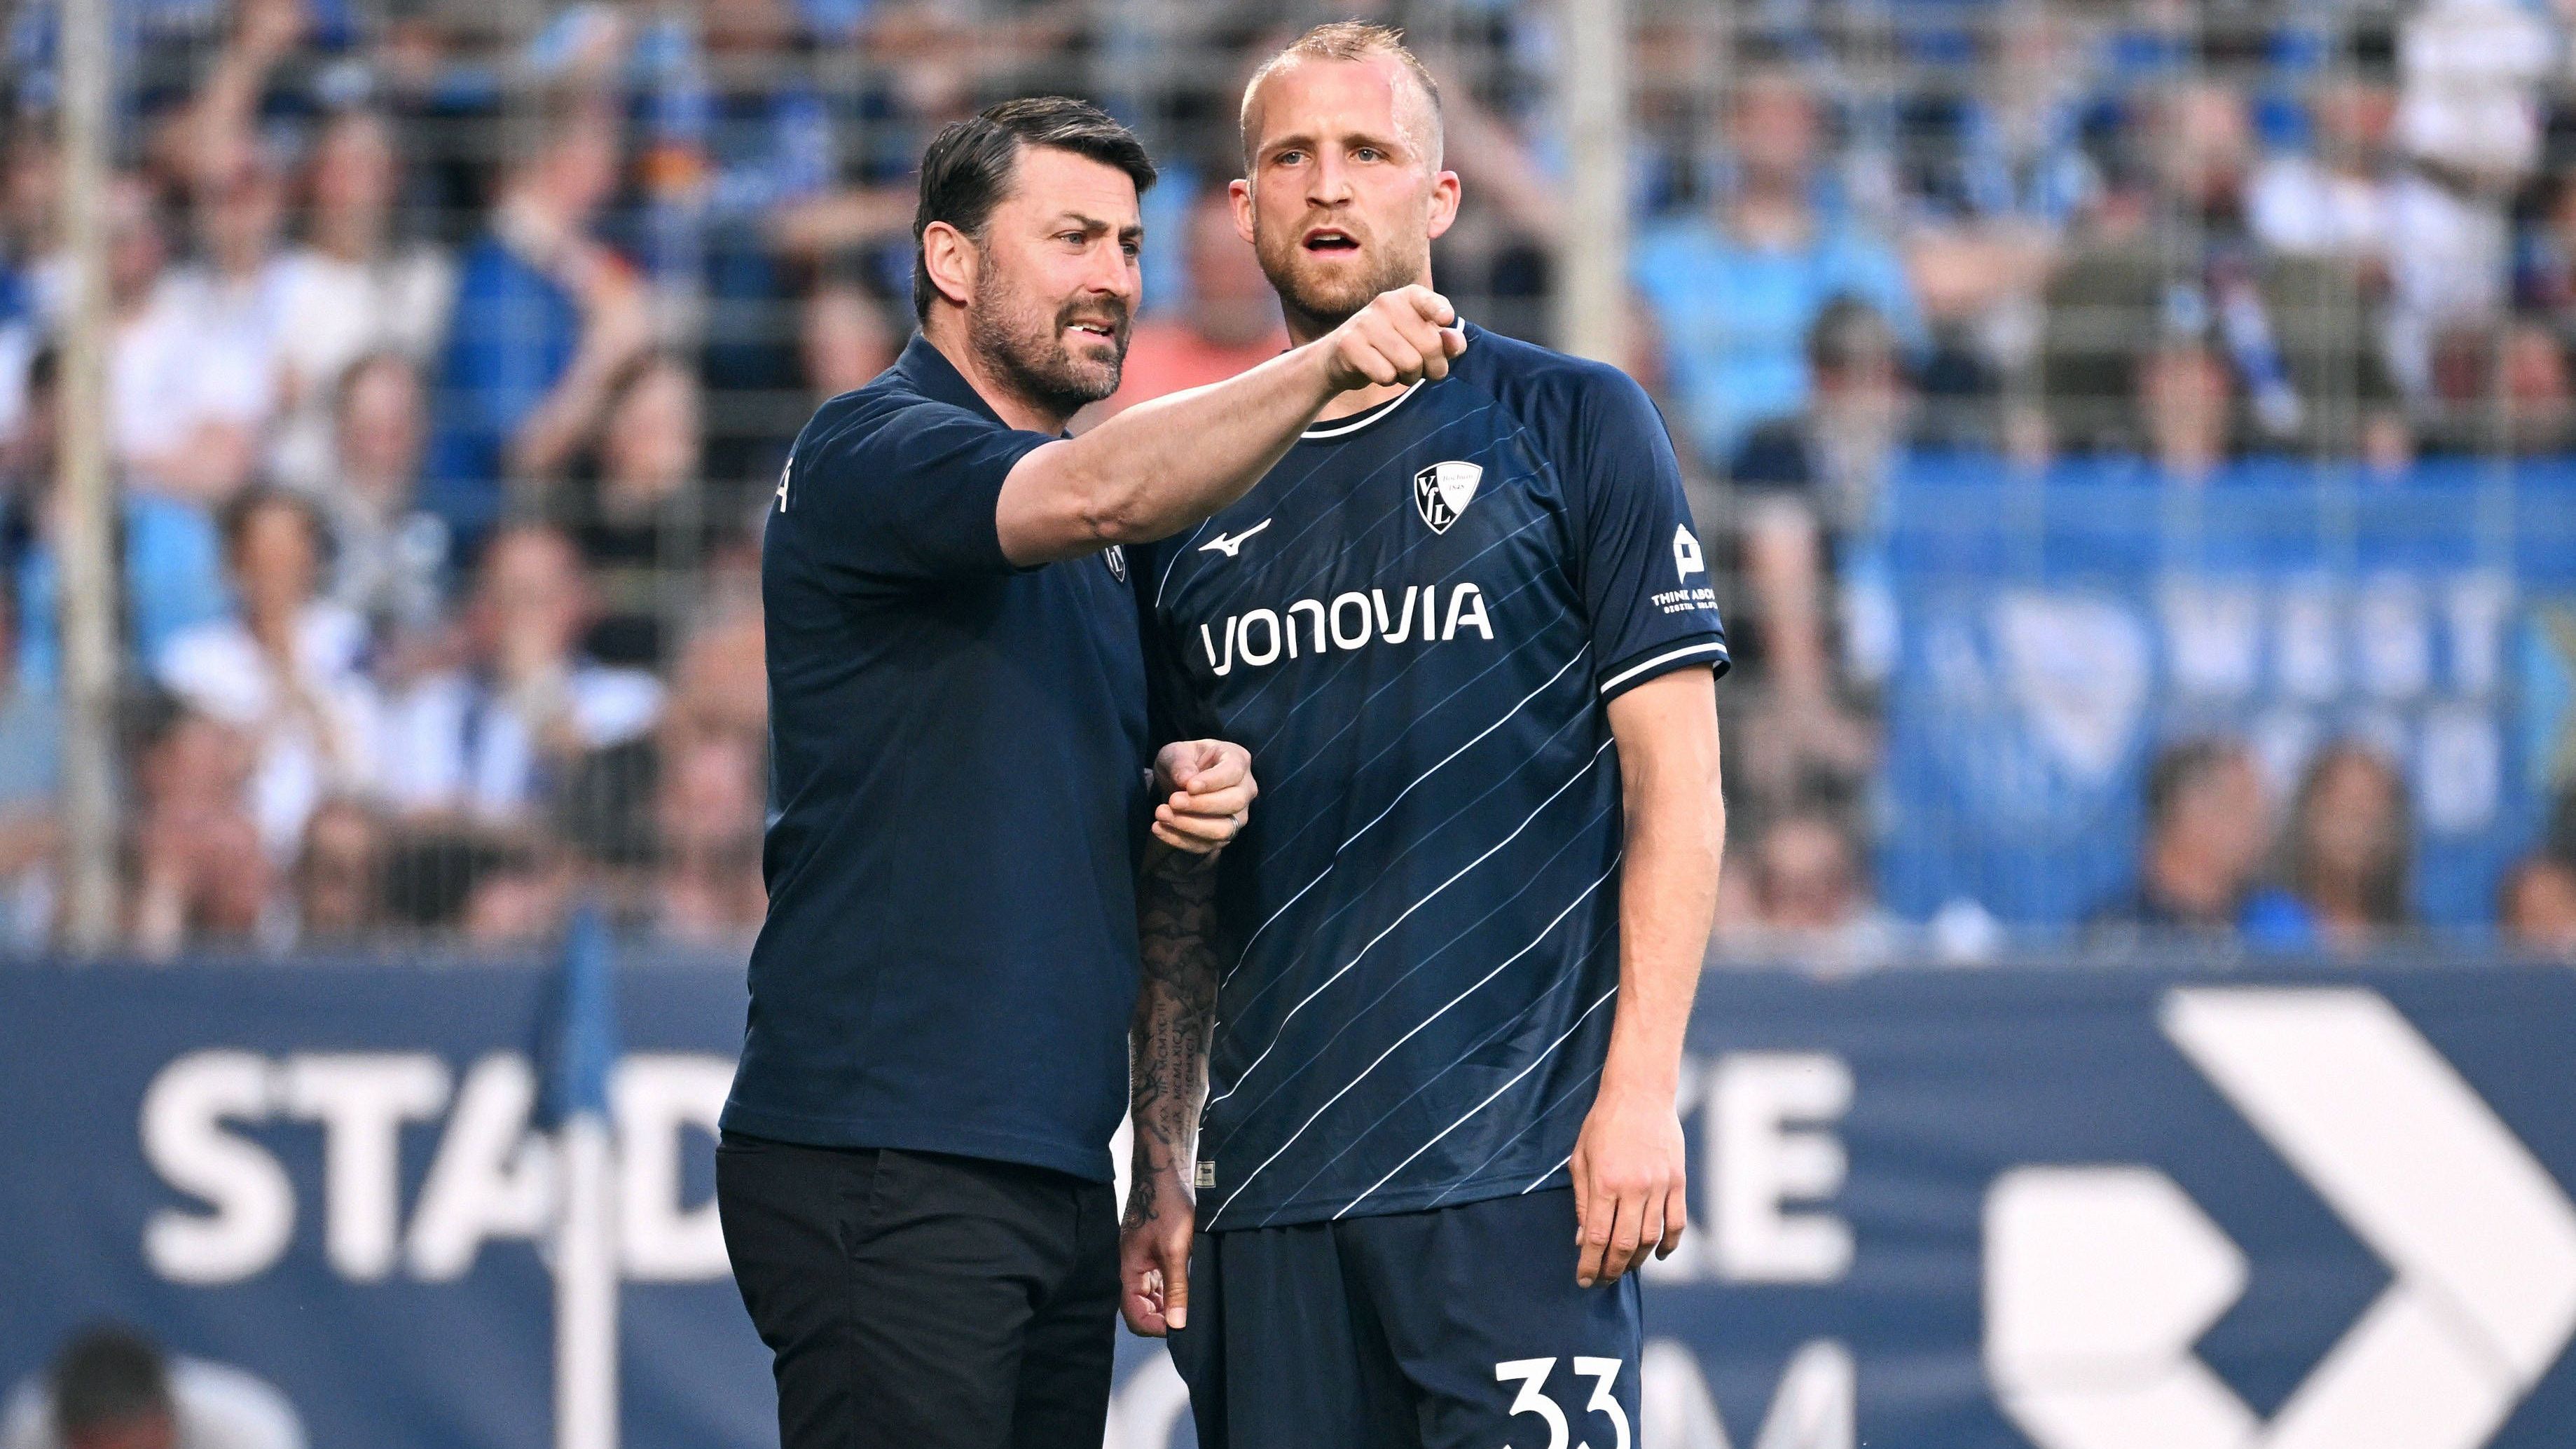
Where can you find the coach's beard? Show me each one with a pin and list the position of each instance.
(1023, 349)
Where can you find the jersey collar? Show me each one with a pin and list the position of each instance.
(936, 378)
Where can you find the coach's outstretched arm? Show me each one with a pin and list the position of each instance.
(1629, 1178)
(1161, 466)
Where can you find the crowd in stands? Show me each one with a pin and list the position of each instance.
(450, 368)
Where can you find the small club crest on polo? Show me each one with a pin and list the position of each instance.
(1443, 491)
(1116, 557)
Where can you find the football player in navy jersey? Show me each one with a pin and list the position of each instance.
(1406, 1060)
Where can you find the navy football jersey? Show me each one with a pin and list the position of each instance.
(1414, 623)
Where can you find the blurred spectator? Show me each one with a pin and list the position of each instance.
(233, 342)
(494, 741)
(351, 291)
(844, 339)
(190, 369)
(720, 683)
(736, 134)
(200, 872)
(2347, 861)
(2467, 123)
(546, 317)
(1995, 172)
(2207, 830)
(388, 558)
(2500, 392)
(2185, 398)
(1730, 296)
(284, 669)
(638, 519)
(1229, 325)
(520, 900)
(2166, 259)
(1808, 485)
(2334, 201)
(339, 873)
(30, 773)
(173, 575)
(710, 888)
(109, 1388)
(2537, 908)
(1813, 898)
(28, 181)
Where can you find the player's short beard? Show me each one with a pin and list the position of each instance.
(1020, 342)
(1327, 302)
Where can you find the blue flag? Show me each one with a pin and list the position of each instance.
(576, 1045)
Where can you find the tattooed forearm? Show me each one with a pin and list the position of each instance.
(1175, 1014)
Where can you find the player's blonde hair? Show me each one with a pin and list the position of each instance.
(1345, 40)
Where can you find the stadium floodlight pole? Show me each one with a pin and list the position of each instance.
(84, 526)
(1592, 248)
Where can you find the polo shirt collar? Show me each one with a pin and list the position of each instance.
(935, 377)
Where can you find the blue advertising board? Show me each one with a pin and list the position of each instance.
(2052, 631)
(2013, 1208)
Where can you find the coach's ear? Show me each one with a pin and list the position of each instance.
(949, 257)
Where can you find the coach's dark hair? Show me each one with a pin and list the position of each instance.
(967, 170)
(107, 1376)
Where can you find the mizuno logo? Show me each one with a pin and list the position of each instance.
(1232, 546)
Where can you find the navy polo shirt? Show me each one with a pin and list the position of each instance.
(958, 795)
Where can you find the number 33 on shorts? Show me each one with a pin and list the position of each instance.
(1531, 1374)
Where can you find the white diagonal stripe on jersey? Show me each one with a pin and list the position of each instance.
(1246, 953)
(1505, 1028)
(1537, 1117)
(1543, 1055)
(1424, 1024)
(1538, 638)
(1544, 1176)
(1277, 1036)
(1573, 837)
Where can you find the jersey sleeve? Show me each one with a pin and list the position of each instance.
(1645, 579)
(905, 497)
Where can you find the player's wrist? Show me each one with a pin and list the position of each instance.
(1648, 1083)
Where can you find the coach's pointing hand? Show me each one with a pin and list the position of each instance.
(1403, 337)
(1203, 792)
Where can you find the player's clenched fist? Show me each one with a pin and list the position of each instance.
(1402, 337)
(1204, 791)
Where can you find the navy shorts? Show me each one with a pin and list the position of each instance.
(1457, 1328)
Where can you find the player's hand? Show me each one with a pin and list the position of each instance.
(1629, 1183)
(1154, 1253)
(1402, 337)
(1204, 792)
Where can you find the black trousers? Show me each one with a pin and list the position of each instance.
(924, 1301)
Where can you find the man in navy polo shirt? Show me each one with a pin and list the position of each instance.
(914, 1176)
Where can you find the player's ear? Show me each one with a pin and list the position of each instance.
(950, 258)
(1444, 202)
(1239, 192)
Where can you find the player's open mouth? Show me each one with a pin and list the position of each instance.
(1096, 329)
(1326, 239)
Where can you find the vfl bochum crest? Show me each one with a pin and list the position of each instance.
(1116, 558)
(1443, 490)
